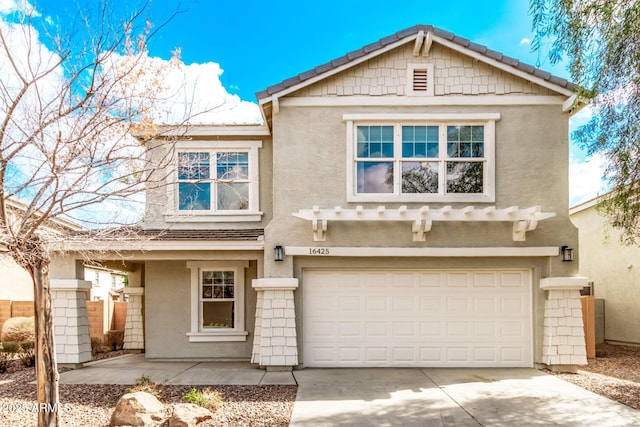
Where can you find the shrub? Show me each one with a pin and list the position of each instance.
(7, 354)
(206, 398)
(27, 353)
(97, 346)
(115, 340)
(19, 329)
(11, 347)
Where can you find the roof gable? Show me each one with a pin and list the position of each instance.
(435, 35)
(454, 73)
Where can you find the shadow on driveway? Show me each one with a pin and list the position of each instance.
(449, 397)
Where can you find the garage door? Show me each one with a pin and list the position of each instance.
(402, 318)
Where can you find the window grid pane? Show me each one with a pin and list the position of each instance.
(465, 141)
(193, 165)
(194, 196)
(465, 177)
(375, 177)
(232, 165)
(375, 141)
(420, 177)
(420, 141)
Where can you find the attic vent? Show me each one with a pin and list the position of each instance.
(419, 80)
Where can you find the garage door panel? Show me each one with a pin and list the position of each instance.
(430, 280)
(417, 318)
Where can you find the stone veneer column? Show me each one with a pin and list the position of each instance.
(275, 343)
(564, 345)
(70, 321)
(134, 326)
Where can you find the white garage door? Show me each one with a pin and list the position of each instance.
(440, 318)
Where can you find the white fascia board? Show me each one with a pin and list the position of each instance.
(502, 66)
(417, 101)
(166, 245)
(422, 116)
(203, 130)
(479, 252)
(336, 70)
(248, 143)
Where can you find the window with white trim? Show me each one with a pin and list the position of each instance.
(216, 180)
(421, 161)
(217, 301)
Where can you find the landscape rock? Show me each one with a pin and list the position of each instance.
(138, 409)
(189, 415)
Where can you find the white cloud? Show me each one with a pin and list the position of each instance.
(195, 91)
(525, 41)
(585, 179)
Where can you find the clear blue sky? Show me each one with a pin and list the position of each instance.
(259, 43)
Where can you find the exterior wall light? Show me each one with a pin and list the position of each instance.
(567, 253)
(279, 253)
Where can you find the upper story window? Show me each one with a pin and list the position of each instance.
(436, 158)
(213, 180)
(216, 181)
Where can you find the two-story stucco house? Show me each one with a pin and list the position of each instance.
(403, 205)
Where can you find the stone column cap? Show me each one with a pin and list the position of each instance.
(563, 283)
(275, 284)
(69, 285)
(133, 290)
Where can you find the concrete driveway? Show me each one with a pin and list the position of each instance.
(449, 397)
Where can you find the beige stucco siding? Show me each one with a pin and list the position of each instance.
(168, 315)
(614, 270)
(455, 74)
(310, 169)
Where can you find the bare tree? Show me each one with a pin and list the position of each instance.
(70, 98)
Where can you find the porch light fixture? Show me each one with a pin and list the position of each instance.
(567, 253)
(279, 253)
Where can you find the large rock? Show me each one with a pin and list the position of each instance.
(138, 409)
(18, 329)
(188, 415)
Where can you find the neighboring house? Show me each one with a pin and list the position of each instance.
(403, 205)
(15, 282)
(613, 269)
(105, 282)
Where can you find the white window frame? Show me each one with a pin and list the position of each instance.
(174, 214)
(197, 332)
(442, 120)
(430, 79)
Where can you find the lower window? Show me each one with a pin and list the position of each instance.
(217, 312)
(217, 303)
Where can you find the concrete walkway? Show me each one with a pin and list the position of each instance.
(449, 397)
(126, 369)
(388, 396)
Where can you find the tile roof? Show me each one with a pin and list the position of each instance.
(321, 69)
(134, 233)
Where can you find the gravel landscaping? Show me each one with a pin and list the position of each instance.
(615, 373)
(92, 405)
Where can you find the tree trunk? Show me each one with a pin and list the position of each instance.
(46, 367)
